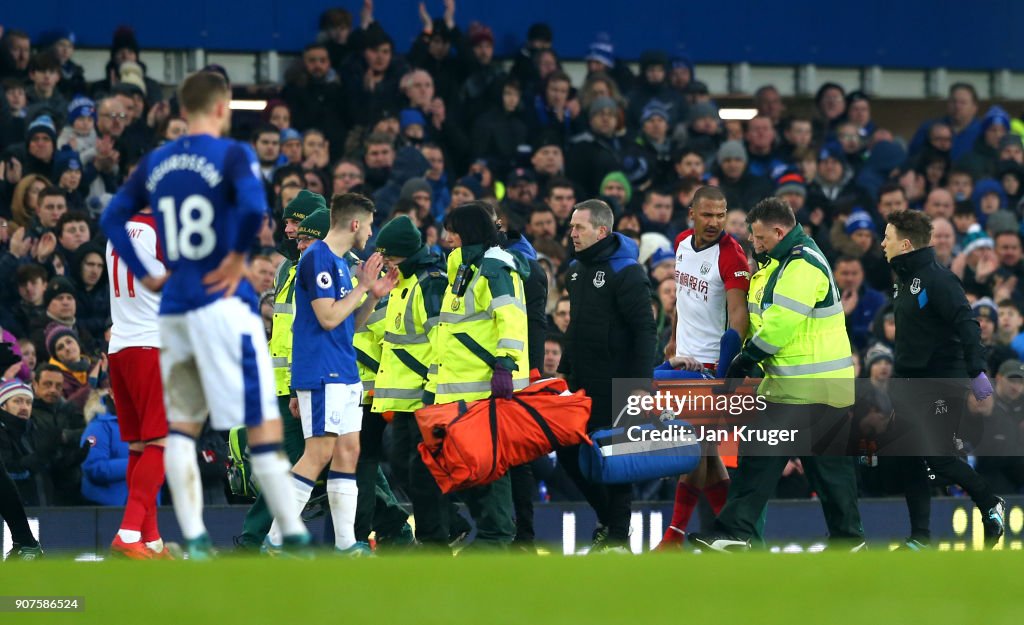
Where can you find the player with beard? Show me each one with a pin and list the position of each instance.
(712, 279)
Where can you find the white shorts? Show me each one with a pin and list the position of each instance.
(215, 360)
(331, 409)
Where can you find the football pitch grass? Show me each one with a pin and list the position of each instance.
(676, 588)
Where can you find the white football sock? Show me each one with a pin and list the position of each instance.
(342, 493)
(130, 536)
(273, 474)
(182, 470)
(303, 490)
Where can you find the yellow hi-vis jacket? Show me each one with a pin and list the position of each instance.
(802, 343)
(412, 317)
(756, 293)
(281, 328)
(366, 339)
(483, 326)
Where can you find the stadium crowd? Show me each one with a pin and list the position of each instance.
(424, 130)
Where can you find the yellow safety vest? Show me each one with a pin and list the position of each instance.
(756, 293)
(802, 343)
(407, 353)
(368, 348)
(476, 329)
(281, 330)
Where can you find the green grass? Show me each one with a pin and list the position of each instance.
(742, 589)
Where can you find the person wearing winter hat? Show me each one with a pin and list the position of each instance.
(792, 187)
(412, 125)
(983, 157)
(40, 145)
(15, 411)
(418, 190)
(80, 131)
(882, 356)
(742, 189)
(313, 228)
(466, 189)
(616, 186)
(653, 84)
(81, 375)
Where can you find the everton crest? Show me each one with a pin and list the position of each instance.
(599, 279)
(915, 286)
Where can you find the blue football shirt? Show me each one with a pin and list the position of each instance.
(320, 356)
(208, 200)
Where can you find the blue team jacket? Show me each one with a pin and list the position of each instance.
(104, 472)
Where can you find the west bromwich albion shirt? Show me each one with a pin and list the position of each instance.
(320, 356)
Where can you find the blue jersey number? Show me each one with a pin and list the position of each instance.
(188, 229)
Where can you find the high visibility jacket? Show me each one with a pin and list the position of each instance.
(366, 339)
(485, 325)
(412, 316)
(756, 294)
(802, 343)
(281, 328)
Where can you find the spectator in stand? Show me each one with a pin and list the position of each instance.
(596, 153)
(560, 197)
(378, 159)
(371, 80)
(762, 159)
(35, 155)
(520, 194)
(408, 164)
(29, 311)
(742, 189)
(81, 374)
(266, 142)
(944, 241)
(704, 132)
(653, 146)
(19, 48)
(418, 89)
(432, 51)
(856, 236)
(853, 145)
(548, 160)
(125, 49)
(345, 175)
(768, 102)
(1000, 452)
(290, 142)
(336, 34)
(498, 133)
(67, 174)
(277, 113)
(858, 113)
(43, 95)
(653, 84)
(601, 60)
(485, 78)
(89, 273)
(939, 203)
(830, 102)
(105, 468)
(861, 303)
(616, 188)
(524, 67)
(106, 164)
(56, 437)
(961, 118)
(73, 230)
(61, 307)
(834, 180)
(25, 465)
(983, 156)
(552, 110)
(656, 213)
(25, 199)
(797, 134)
(315, 97)
(554, 346)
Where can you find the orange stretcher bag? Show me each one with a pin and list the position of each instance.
(466, 445)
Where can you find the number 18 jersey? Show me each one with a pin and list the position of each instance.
(208, 200)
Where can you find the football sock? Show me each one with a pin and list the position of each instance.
(143, 488)
(13, 511)
(303, 489)
(134, 512)
(717, 493)
(182, 468)
(341, 494)
(272, 472)
(686, 500)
